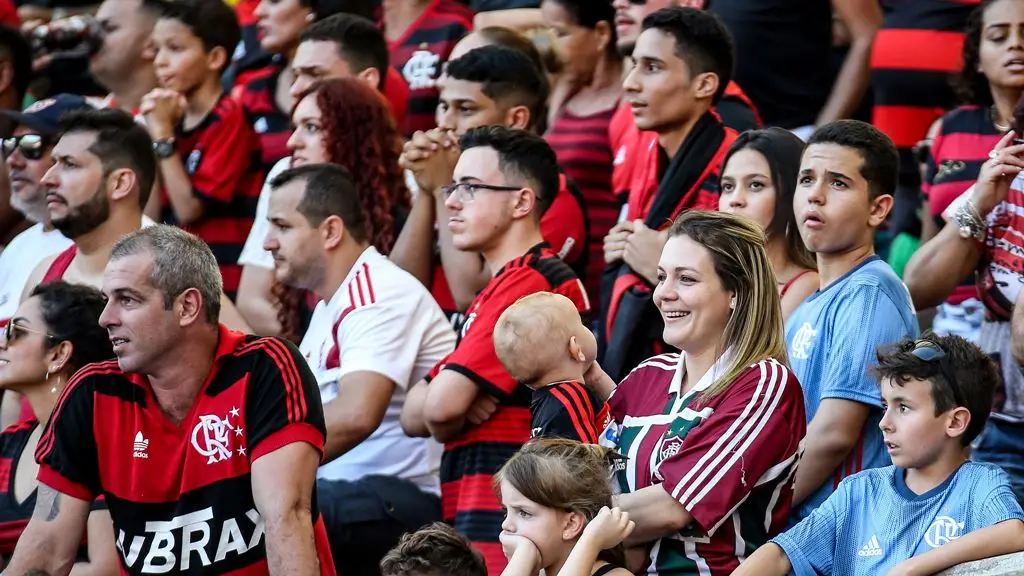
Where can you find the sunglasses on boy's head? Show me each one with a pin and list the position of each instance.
(933, 353)
(32, 146)
(12, 331)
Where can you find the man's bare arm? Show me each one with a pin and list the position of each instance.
(49, 544)
(282, 488)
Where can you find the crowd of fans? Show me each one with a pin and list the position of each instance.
(470, 287)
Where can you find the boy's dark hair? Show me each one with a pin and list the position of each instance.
(702, 41)
(975, 373)
(522, 155)
(508, 77)
(881, 160)
(121, 142)
(15, 48)
(435, 550)
(212, 21)
(359, 42)
(330, 191)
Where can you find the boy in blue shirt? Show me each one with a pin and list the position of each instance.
(844, 192)
(932, 509)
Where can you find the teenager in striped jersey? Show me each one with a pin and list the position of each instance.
(710, 434)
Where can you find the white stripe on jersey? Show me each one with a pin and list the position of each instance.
(762, 420)
(738, 431)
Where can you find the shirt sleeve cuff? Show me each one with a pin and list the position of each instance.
(800, 564)
(60, 483)
(484, 384)
(290, 434)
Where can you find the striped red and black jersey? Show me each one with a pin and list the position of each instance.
(222, 159)
(14, 515)
(962, 145)
(255, 89)
(568, 410)
(584, 153)
(180, 495)
(917, 49)
(419, 54)
(469, 462)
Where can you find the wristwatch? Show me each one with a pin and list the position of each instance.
(163, 148)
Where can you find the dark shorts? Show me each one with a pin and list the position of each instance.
(367, 517)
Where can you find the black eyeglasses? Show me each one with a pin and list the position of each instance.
(32, 146)
(13, 330)
(466, 191)
(933, 353)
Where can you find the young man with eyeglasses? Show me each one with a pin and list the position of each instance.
(27, 158)
(844, 192)
(504, 181)
(376, 332)
(932, 509)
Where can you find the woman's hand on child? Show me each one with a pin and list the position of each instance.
(516, 545)
(609, 528)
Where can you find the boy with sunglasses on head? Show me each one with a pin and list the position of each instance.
(932, 509)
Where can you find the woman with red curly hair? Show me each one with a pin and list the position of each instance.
(345, 122)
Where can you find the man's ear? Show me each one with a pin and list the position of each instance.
(706, 85)
(333, 231)
(217, 59)
(371, 76)
(121, 183)
(518, 117)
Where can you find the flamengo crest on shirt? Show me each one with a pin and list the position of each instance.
(173, 545)
(803, 341)
(420, 69)
(214, 437)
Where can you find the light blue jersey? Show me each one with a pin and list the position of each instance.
(832, 340)
(873, 521)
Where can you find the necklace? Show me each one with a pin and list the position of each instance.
(1002, 128)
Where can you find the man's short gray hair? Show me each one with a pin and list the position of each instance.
(180, 261)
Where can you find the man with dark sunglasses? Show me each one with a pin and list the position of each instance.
(27, 158)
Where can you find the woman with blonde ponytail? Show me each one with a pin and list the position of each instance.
(557, 496)
(711, 433)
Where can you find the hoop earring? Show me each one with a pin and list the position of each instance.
(54, 388)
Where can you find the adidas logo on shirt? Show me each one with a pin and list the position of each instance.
(140, 446)
(871, 548)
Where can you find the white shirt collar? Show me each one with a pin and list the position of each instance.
(705, 381)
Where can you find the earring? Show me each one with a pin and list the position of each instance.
(56, 386)
(732, 303)
(310, 17)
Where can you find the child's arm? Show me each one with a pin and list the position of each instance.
(607, 530)
(768, 560)
(1003, 538)
(162, 110)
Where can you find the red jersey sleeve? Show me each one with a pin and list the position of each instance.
(564, 226)
(283, 404)
(220, 159)
(752, 437)
(474, 357)
(67, 454)
(396, 92)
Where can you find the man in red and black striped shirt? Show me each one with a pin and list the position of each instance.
(421, 35)
(505, 179)
(196, 435)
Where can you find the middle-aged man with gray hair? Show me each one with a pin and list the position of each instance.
(204, 442)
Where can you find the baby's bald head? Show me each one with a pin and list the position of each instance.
(533, 337)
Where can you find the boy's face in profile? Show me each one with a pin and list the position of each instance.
(181, 62)
(914, 436)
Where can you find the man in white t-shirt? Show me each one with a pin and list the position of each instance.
(375, 333)
(27, 158)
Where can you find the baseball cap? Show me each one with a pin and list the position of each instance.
(44, 115)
